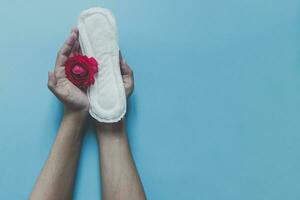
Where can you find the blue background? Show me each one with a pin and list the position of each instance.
(216, 109)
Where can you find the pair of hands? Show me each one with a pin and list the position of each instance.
(118, 172)
(74, 99)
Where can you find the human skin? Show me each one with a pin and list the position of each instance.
(120, 179)
(56, 180)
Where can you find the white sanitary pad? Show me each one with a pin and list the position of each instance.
(98, 38)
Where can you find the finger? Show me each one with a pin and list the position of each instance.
(125, 69)
(66, 49)
(79, 50)
(69, 43)
(120, 56)
(75, 49)
(60, 73)
(121, 59)
(75, 29)
(51, 80)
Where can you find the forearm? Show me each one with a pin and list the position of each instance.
(57, 177)
(120, 179)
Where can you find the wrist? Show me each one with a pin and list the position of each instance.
(75, 116)
(110, 128)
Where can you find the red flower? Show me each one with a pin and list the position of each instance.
(80, 70)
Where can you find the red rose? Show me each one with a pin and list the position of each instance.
(80, 70)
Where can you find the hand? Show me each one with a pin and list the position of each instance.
(72, 97)
(127, 76)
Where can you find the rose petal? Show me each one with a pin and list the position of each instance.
(78, 70)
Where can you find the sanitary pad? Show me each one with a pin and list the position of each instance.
(98, 38)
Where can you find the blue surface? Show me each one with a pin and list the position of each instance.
(216, 108)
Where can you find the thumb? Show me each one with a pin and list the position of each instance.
(51, 80)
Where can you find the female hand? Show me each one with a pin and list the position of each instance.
(127, 76)
(72, 97)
